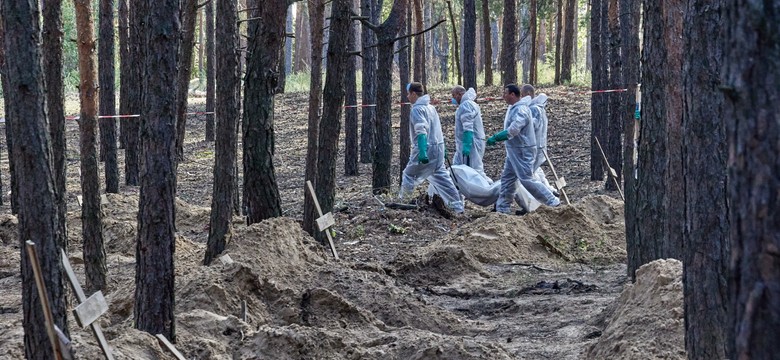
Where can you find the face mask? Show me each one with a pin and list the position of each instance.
(454, 102)
(408, 86)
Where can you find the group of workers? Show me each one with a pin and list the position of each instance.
(524, 135)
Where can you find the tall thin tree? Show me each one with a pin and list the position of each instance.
(568, 42)
(368, 128)
(534, 45)
(92, 227)
(404, 71)
(659, 217)
(469, 43)
(227, 115)
(189, 12)
(316, 24)
(137, 56)
(38, 218)
(55, 104)
(509, 43)
(487, 43)
(598, 77)
(613, 146)
(705, 152)
(211, 85)
(154, 269)
(125, 70)
(330, 126)
(107, 102)
(351, 143)
(751, 81)
(420, 70)
(558, 26)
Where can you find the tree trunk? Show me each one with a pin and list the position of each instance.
(532, 59)
(8, 130)
(189, 13)
(420, 70)
(541, 38)
(201, 46)
(351, 114)
(404, 70)
(55, 109)
(316, 16)
(558, 26)
(38, 218)
(751, 73)
(92, 228)
(286, 66)
(469, 43)
(568, 41)
(487, 43)
(383, 154)
(613, 147)
(455, 44)
(659, 217)
(705, 149)
(629, 31)
(509, 43)
(266, 38)
(368, 125)
(125, 71)
(302, 42)
(220, 229)
(211, 60)
(599, 82)
(137, 51)
(154, 277)
(330, 126)
(108, 96)
(575, 30)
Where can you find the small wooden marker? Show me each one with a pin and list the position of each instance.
(611, 171)
(560, 183)
(95, 301)
(324, 220)
(167, 345)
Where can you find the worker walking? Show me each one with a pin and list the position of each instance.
(469, 132)
(539, 113)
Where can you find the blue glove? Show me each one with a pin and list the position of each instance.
(501, 136)
(468, 140)
(422, 145)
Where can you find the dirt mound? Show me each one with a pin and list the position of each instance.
(647, 320)
(591, 231)
(437, 267)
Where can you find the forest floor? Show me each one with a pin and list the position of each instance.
(410, 284)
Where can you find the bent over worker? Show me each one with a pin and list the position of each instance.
(427, 157)
(469, 132)
(520, 152)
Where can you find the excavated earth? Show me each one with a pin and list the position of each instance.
(410, 284)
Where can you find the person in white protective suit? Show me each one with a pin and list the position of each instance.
(539, 113)
(521, 152)
(469, 132)
(427, 157)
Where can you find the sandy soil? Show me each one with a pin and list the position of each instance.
(479, 286)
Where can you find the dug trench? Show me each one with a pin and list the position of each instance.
(410, 285)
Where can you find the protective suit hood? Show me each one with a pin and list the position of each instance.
(540, 99)
(470, 95)
(423, 100)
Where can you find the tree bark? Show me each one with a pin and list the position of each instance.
(154, 270)
(330, 126)
(558, 26)
(487, 42)
(8, 131)
(705, 151)
(108, 96)
(302, 41)
(368, 125)
(91, 228)
(55, 109)
(509, 43)
(266, 38)
(659, 217)
(38, 213)
(420, 68)
(316, 16)
(211, 60)
(125, 71)
(351, 146)
(455, 44)
(599, 82)
(189, 14)
(137, 52)
(404, 70)
(469, 43)
(220, 229)
(751, 78)
(532, 59)
(286, 66)
(568, 41)
(613, 147)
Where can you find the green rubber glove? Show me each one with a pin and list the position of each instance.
(468, 140)
(500, 136)
(422, 144)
